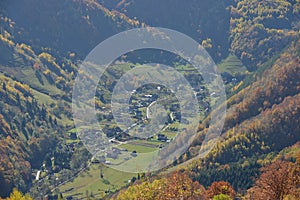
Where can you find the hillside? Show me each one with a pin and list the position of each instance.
(43, 24)
(257, 116)
(255, 45)
(194, 18)
(38, 61)
(262, 120)
(28, 131)
(278, 179)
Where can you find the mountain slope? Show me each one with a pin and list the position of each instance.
(261, 119)
(28, 132)
(259, 30)
(65, 26)
(41, 44)
(198, 19)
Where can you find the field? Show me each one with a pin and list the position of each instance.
(137, 148)
(90, 182)
(232, 65)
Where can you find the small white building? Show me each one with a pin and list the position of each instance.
(38, 175)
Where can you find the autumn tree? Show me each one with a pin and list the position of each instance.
(176, 186)
(17, 195)
(274, 182)
(221, 187)
(179, 185)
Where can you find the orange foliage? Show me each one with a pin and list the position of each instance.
(277, 181)
(220, 187)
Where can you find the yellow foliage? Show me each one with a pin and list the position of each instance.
(23, 88)
(290, 197)
(175, 186)
(207, 43)
(16, 195)
(237, 86)
(46, 56)
(72, 55)
(26, 48)
(4, 39)
(46, 72)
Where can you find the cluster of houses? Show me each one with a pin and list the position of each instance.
(143, 102)
(114, 152)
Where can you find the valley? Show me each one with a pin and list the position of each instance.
(44, 154)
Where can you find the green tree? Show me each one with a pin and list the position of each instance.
(60, 197)
(4, 86)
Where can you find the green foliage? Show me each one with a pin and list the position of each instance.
(79, 159)
(222, 197)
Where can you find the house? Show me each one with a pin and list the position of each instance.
(174, 107)
(100, 159)
(95, 161)
(116, 150)
(73, 136)
(38, 175)
(162, 138)
(138, 114)
(123, 149)
(134, 153)
(112, 154)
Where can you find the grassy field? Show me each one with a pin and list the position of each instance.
(137, 164)
(89, 182)
(185, 68)
(169, 134)
(43, 98)
(232, 65)
(115, 175)
(66, 121)
(27, 75)
(137, 148)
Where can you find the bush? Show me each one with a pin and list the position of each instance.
(222, 197)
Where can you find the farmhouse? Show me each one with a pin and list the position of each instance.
(114, 153)
(162, 137)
